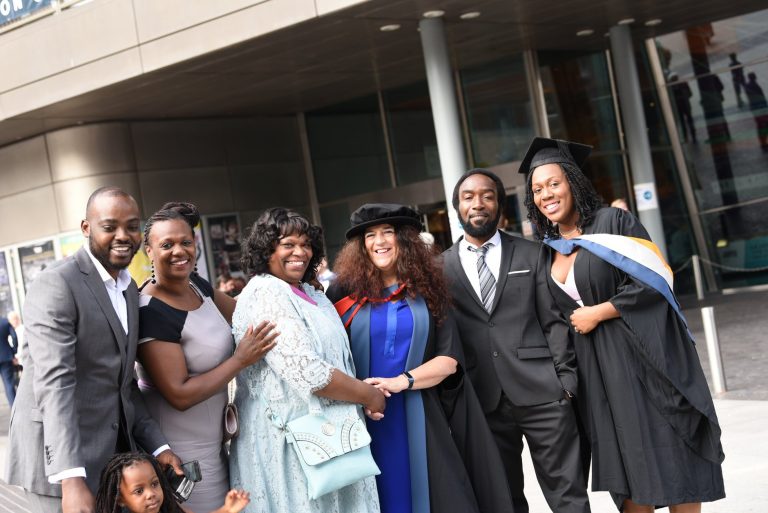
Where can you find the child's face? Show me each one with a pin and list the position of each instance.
(140, 489)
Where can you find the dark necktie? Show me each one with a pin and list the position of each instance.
(487, 281)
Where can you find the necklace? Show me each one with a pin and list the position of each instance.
(566, 234)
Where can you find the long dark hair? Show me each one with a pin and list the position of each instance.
(416, 264)
(108, 495)
(586, 199)
(271, 226)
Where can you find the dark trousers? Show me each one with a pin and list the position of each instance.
(553, 439)
(6, 372)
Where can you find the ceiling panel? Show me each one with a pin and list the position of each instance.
(344, 55)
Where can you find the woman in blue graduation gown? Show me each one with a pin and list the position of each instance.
(644, 400)
(433, 447)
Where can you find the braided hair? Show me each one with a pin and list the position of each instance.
(108, 495)
(173, 210)
(585, 198)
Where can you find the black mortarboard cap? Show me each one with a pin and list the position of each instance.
(553, 151)
(372, 214)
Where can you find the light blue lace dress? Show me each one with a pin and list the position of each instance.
(312, 342)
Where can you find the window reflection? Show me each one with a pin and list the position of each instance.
(498, 111)
(412, 133)
(348, 151)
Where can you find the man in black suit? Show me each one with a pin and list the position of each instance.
(518, 353)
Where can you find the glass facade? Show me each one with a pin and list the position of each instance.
(498, 109)
(580, 107)
(411, 133)
(715, 75)
(348, 149)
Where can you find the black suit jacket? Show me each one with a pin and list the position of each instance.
(522, 347)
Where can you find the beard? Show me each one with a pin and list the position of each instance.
(482, 231)
(102, 254)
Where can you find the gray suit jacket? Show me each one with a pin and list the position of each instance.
(522, 346)
(78, 389)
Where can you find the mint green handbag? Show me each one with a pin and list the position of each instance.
(332, 456)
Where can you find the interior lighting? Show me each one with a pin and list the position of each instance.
(585, 32)
(389, 28)
(626, 21)
(653, 22)
(471, 15)
(434, 14)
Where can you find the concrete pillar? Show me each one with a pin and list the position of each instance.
(638, 147)
(445, 111)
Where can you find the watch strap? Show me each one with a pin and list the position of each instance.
(410, 379)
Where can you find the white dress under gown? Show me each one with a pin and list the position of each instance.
(261, 461)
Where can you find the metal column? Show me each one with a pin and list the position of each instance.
(640, 161)
(445, 111)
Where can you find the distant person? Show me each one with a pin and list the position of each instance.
(737, 75)
(759, 107)
(15, 319)
(134, 483)
(643, 400)
(238, 284)
(620, 203)
(9, 344)
(225, 284)
(324, 274)
(78, 402)
(681, 94)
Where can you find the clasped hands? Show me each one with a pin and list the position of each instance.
(387, 387)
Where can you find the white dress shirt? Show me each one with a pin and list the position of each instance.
(469, 260)
(115, 291)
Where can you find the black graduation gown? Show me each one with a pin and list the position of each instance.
(465, 471)
(643, 398)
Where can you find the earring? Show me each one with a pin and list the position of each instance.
(153, 280)
(195, 269)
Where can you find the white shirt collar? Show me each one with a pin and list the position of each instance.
(123, 276)
(495, 241)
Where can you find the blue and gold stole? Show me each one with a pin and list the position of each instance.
(639, 258)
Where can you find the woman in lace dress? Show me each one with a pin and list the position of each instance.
(283, 251)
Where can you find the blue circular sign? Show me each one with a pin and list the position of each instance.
(647, 195)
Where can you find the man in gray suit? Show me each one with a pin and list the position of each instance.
(517, 348)
(78, 402)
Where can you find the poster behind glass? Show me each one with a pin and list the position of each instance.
(34, 259)
(224, 237)
(6, 296)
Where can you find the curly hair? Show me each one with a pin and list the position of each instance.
(271, 226)
(108, 495)
(173, 210)
(416, 264)
(586, 199)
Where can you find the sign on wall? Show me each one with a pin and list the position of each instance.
(14, 10)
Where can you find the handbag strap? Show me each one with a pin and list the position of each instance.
(231, 391)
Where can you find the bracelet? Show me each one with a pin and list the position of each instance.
(409, 378)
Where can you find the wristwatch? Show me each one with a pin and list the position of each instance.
(409, 378)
